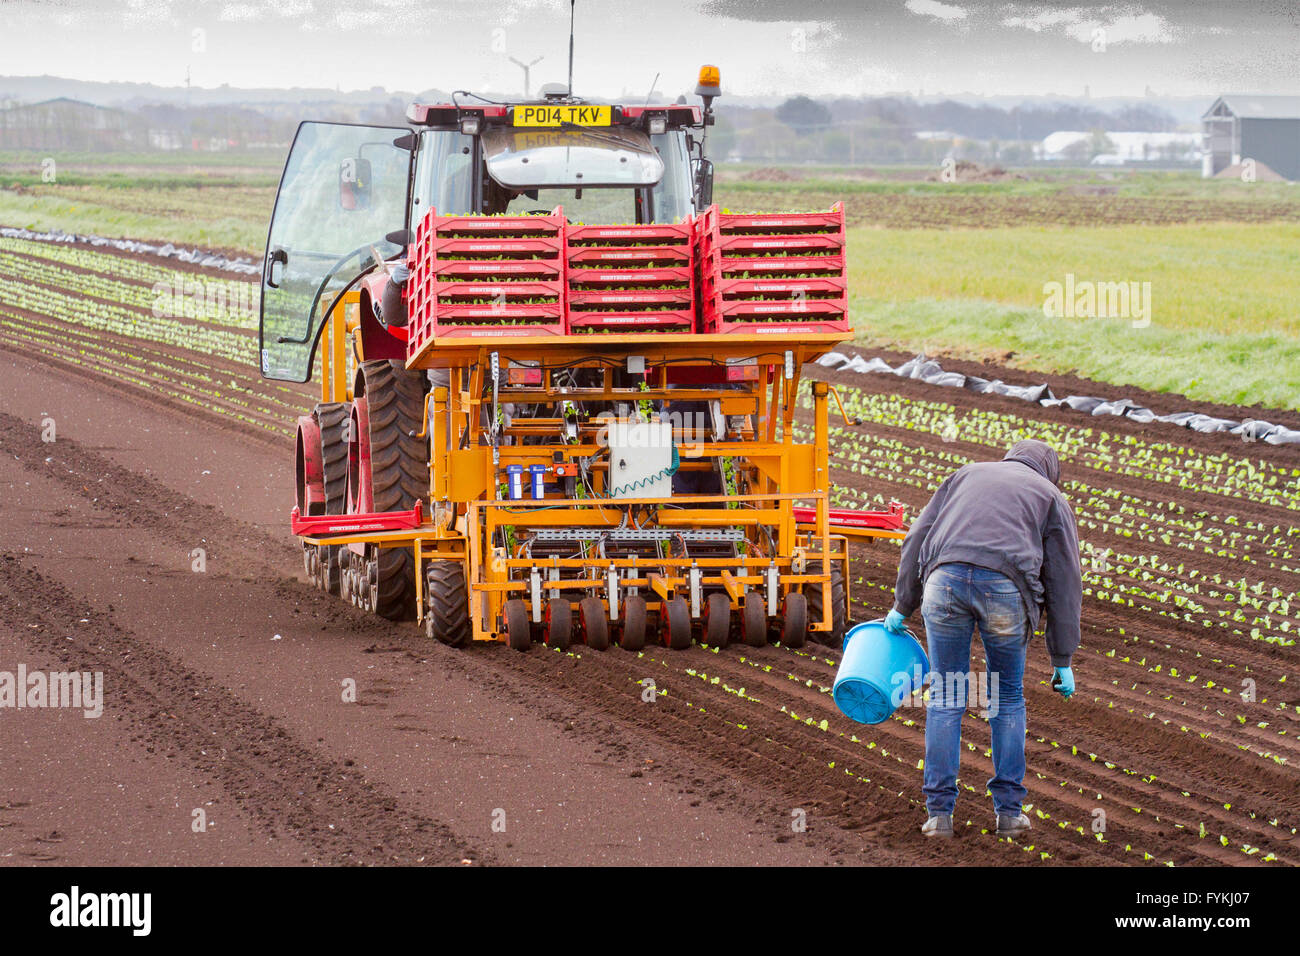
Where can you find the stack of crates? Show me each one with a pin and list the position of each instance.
(486, 277)
(635, 278)
(772, 272)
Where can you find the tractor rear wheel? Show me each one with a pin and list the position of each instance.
(794, 622)
(398, 472)
(519, 629)
(332, 420)
(634, 624)
(754, 619)
(839, 609)
(717, 620)
(446, 613)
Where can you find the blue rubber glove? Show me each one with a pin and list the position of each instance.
(1063, 681)
(894, 622)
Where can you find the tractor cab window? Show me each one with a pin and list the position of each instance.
(595, 206)
(671, 194)
(343, 190)
(444, 174)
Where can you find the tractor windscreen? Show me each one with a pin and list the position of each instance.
(586, 198)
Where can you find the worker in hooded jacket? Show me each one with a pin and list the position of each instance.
(996, 547)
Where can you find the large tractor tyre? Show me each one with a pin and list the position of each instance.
(839, 609)
(332, 419)
(446, 612)
(398, 472)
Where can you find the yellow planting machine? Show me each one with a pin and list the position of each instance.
(558, 384)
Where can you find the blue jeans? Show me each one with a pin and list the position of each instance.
(958, 597)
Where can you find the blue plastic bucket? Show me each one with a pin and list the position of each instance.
(878, 671)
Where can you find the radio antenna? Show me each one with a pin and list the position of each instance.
(572, 3)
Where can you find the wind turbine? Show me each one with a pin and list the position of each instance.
(525, 67)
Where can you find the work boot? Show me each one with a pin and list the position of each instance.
(1009, 826)
(939, 825)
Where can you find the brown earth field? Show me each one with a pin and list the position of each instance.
(149, 541)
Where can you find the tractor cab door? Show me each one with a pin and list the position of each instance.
(344, 189)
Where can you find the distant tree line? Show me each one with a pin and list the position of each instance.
(903, 130)
(66, 124)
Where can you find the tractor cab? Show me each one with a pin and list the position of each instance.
(351, 196)
(603, 164)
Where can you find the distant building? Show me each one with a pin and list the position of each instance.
(69, 124)
(165, 139)
(1263, 128)
(1121, 148)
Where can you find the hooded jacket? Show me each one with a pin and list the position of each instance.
(1008, 516)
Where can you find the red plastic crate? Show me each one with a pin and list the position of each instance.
(450, 292)
(530, 247)
(772, 272)
(715, 264)
(500, 258)
(630, 257)
(616, 297)
(549, 225)
(478, 320)
(614, 277)
(784, 286)
(482, 270)
(676, 320)
(654, 233)
(622, 278)
(713, 221)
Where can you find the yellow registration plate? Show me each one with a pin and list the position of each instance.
(559, 115)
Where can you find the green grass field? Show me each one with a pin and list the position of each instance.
(953, 269)
(1223, 321)
(213, 200)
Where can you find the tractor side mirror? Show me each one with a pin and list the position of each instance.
(704, 184)
(400, 237)
(354, 184)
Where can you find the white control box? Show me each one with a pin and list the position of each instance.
(640, 459)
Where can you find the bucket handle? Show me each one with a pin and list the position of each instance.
(880, 620)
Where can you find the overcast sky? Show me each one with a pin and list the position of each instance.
(821, 47)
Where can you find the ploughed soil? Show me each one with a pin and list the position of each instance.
(149, 541)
